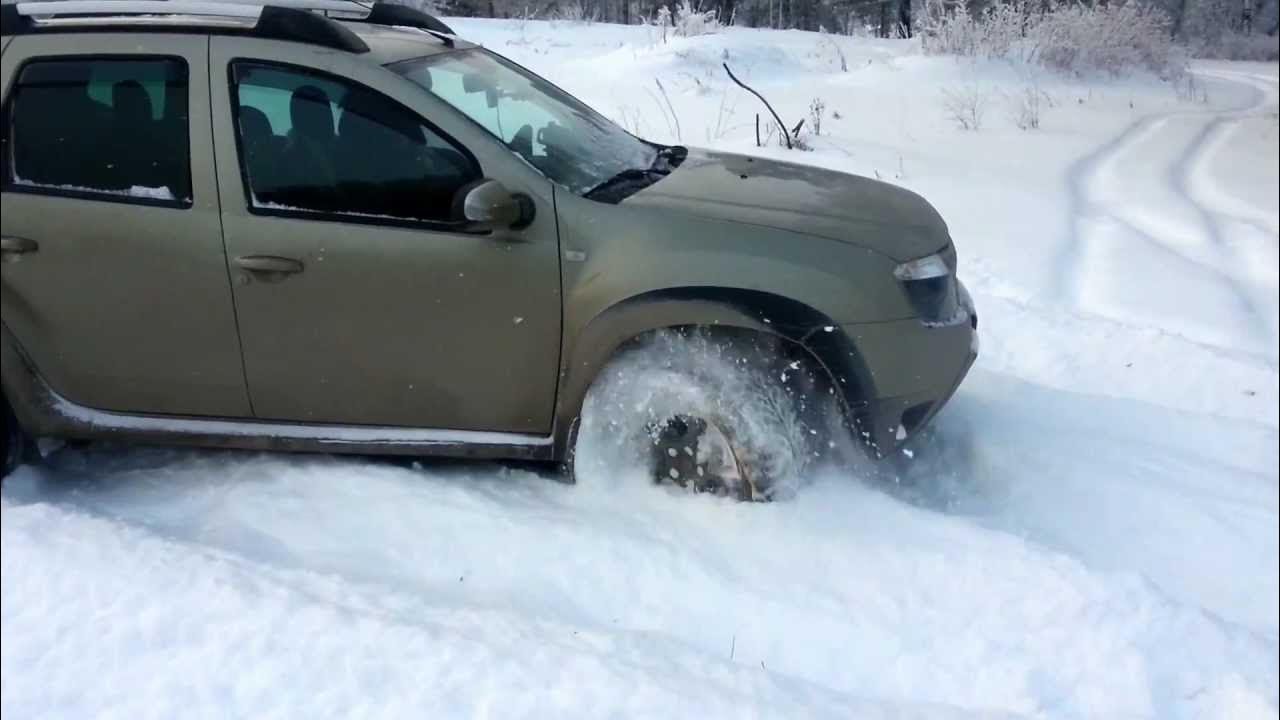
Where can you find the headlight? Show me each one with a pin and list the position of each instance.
(925, 268)
(930, 285)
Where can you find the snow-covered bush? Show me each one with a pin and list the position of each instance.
(688, 21)
(1238, 46)
(1114, 39)
(661, 21)
(1070, 37)
(965, 105)
(992, 33)
(1218, 29)
(574, 11)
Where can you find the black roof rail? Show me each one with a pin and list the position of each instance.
(387, 13)
(286, 23)
(270, 21)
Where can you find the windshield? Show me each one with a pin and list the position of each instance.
(567, 141)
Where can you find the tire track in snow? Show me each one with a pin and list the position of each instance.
(1218, 217)
(1196, 183)
(1180, 236)
(1248, 235)
(1195, 177)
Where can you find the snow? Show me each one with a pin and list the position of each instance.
(135, 191)
(1091, 530)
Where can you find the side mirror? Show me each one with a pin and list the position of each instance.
(489, 205)
(476, 82)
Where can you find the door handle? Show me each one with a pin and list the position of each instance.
(12, 248)
(269, 268)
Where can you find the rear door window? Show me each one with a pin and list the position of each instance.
(109, 128)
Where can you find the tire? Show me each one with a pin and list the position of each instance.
(13, 442)
(731, 414)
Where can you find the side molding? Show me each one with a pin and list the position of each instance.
(43, 412)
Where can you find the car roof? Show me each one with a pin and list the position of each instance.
(386, 35)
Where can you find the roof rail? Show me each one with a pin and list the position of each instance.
(386, 13)
(377, 12)
(269, 21)
(354, 8)
(283, 23)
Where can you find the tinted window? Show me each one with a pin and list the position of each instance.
(116, 127)
(315, 143)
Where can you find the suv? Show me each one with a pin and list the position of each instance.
(319, 226)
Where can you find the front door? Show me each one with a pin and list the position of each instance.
(114, 279)
(360, 299)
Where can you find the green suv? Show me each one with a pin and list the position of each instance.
(327, 226)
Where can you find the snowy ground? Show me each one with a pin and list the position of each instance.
(1092, 531)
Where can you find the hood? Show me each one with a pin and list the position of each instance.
(800, 198)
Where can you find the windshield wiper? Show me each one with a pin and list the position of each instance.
(625, 183)
(670, 156)
(631, 180)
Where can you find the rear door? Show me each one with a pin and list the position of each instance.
(114, 278)
(360, 300)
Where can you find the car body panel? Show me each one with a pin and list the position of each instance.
(698, 270)
(802, 199)
(395, 326)
(41, 411)
(126, 306)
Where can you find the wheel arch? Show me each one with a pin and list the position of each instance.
(18, 381)
(726, 309)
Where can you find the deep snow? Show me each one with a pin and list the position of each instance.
(1091, 530)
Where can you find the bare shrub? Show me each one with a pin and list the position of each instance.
(1027, 105)
(663, 101)
(629, 119)
(724, 115)
(817, 108)
(965, 105)
(1189, 89)
(574, 11)
(662, 21)
(844, 62)
(688, 21)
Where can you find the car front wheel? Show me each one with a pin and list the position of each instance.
(12, 441)
(732, 414)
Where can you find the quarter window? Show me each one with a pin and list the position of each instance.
(316, 143)
(115, 128)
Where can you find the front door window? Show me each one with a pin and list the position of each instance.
(316, 144)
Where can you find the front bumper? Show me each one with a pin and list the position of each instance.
(895, 376)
